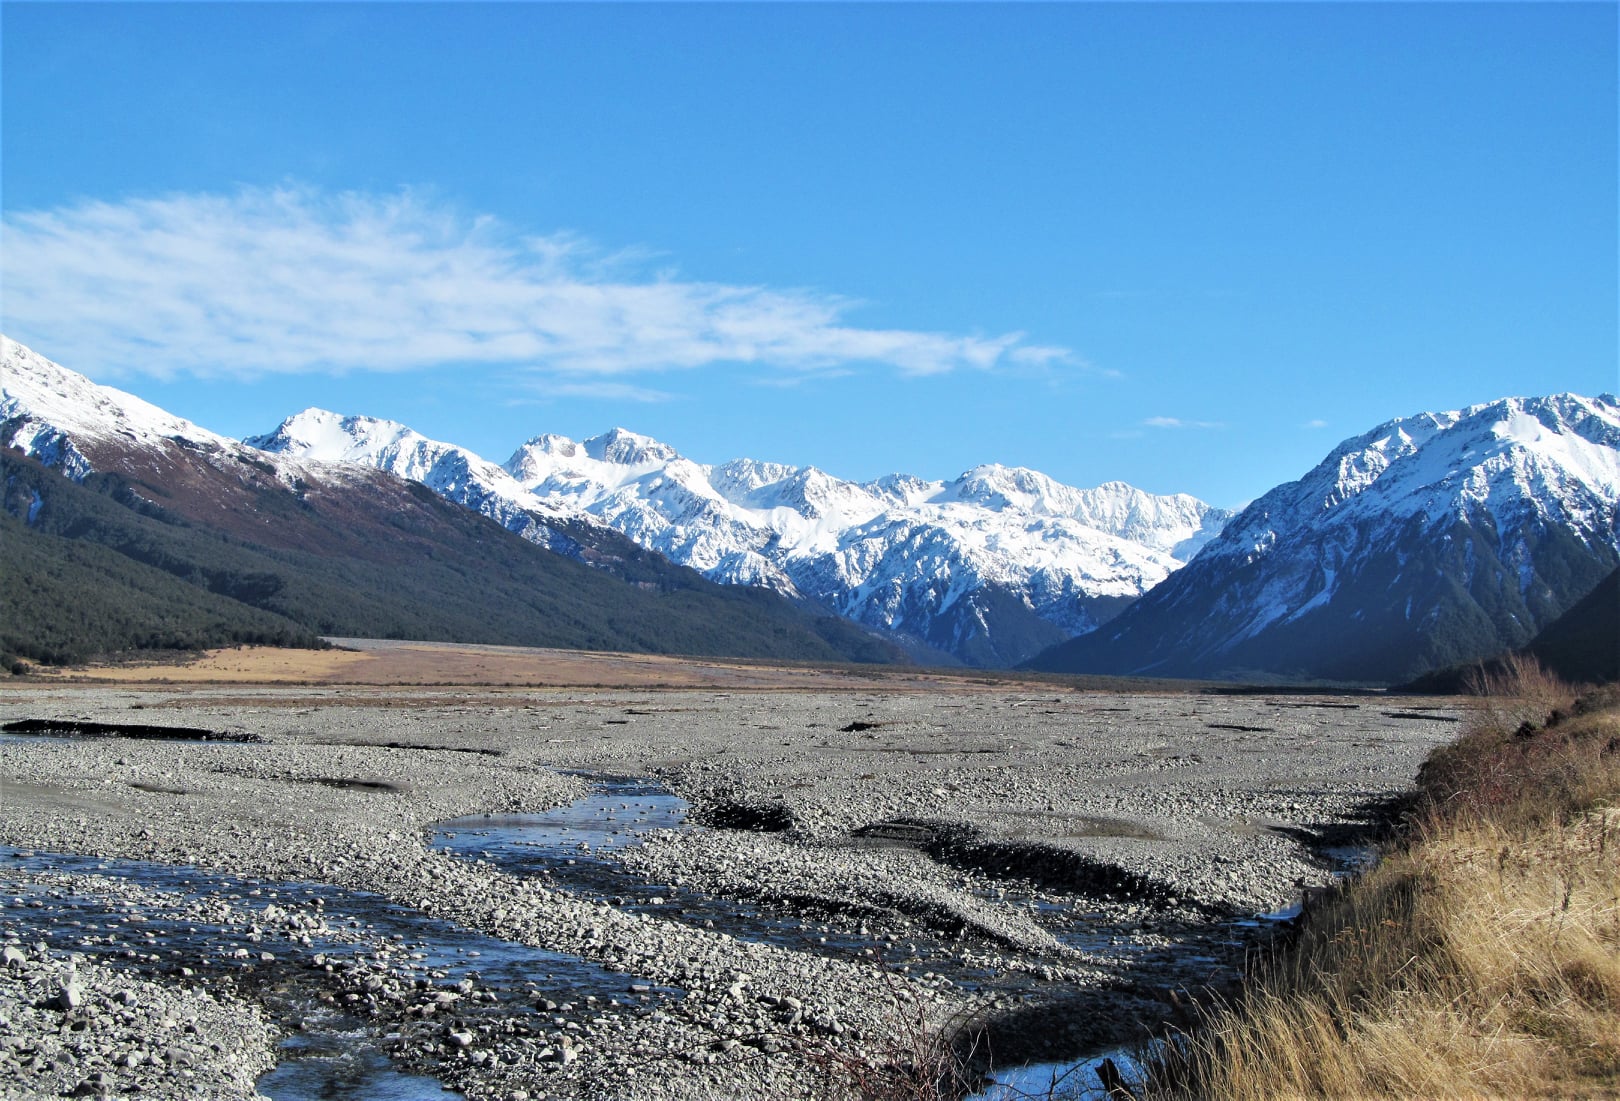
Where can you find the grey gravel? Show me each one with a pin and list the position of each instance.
(954, 817)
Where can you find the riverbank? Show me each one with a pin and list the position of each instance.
(1480, 958)
(965, 855)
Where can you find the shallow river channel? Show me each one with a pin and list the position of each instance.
(210, 928)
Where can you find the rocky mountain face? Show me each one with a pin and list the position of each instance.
(347, 549)
(986, 569)
(1431, 540)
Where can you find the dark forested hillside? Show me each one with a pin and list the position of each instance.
(1583, 644)
(376, 557)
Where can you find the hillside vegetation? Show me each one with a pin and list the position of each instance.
(113, 564)
(65, 601)
(1481, 957)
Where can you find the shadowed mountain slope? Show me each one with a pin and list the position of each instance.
(336, 549)
(1429, 541)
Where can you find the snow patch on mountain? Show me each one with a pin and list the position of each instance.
(898, 553)
(317, 435)
(55, 415)
(1430, 539)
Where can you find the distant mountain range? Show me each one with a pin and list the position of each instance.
(987, 569)
(126, 527)
(1432, 540)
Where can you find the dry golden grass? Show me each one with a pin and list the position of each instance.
(1517, 690)
(395, 663)
(1481, 958)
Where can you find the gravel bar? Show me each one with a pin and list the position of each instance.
(1010, 860)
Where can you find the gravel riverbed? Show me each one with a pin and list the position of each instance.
(1054, 864)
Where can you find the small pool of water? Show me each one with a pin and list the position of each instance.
(337, 1059)
(1076, 1081)
(571, 848)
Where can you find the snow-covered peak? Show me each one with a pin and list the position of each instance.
(741, 477)
(1549, 454)
(1177, 523)
(903, 489)
(1431, 540)
(533, 461)
(998, 487)
(332, 437)
(319, 435)
(627, 448)
(50, 410)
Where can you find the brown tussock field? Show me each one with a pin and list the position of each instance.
(384, 663)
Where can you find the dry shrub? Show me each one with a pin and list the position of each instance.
(1514, 690)
(921, 1059)
(1481, 958)
(1483, 964)
(1509, 767)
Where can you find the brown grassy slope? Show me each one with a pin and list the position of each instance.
(1481, 958)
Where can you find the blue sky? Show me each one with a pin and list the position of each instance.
(1186, 246)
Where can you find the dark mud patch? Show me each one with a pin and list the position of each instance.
(347, 784)
(1346, 844)
(157, 789)
(1087, 825)
(1243, 729)
(482, 752)
(900, 833)
(858, 726)
(71, 728)
(966, 848)
(729, 814)
(1425, 715)
(1286, 690)
(914, 834)
(917, 751)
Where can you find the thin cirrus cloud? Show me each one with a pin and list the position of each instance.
(1178, 422)
(289, 280)
(601, 390)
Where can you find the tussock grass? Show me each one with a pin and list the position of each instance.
(1480, 958)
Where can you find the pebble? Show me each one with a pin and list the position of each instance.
(1056, 776)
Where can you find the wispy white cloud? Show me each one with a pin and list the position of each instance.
(1178, 422)
(291, 280)
(1314, 424)
(606, 390)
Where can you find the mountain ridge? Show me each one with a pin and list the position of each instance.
(338, 548)
(989, 567)
(1429, 540)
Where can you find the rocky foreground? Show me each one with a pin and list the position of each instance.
(958, 840)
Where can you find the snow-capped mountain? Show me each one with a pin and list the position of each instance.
(340, 547)
(450, 471)
(1431, 540)
(56, 416)
(988, 568)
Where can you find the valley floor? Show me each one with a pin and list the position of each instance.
(1045, 864)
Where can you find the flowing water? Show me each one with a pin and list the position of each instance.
(159, 917)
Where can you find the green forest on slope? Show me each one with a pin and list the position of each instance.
(97, 567)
